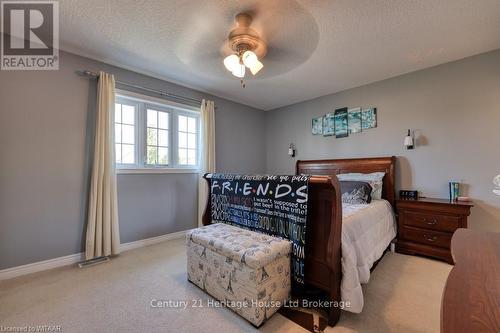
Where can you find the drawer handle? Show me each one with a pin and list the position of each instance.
(434, 221)
(430, 239)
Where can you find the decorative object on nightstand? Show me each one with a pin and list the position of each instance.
(406, 194)
(426, 225)
(454, 190)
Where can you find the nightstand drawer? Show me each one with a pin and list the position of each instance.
(430, 221)
(429, 237)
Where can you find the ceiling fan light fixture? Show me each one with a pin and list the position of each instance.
(249, 58)
(256, 67)
(239, 71)
(244, 48)
(252, 62)
(232, 62)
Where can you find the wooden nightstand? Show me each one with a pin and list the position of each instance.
(426, 225)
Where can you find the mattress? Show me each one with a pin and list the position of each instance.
(367, 230)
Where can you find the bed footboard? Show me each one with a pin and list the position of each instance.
(323, 248)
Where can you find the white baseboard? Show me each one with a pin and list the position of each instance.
(153, 240)
(40, 266)
(71, 259)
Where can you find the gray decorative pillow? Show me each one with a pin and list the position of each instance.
(375, 179)
(355, 192)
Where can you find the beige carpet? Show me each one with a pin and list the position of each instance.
(403, 295)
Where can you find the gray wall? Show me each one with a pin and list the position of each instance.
(46, 120)
(45, 125)
(455, 110)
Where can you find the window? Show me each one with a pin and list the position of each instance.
(125, 115)
(157, 137)
(187, 129)
(152, 134)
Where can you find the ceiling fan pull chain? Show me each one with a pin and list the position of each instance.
(243, 85)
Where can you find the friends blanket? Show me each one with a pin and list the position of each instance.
(274, 205)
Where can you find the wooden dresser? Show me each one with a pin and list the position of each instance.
(471, 297)
(426, 225)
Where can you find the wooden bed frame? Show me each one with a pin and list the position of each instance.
(324, 218)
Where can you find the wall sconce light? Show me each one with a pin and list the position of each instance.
(408, 142)
(496, 181)
(291, 150)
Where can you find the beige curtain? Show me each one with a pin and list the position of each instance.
(103, 236)
(207, 158)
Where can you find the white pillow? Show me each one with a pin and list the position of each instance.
(374, 179)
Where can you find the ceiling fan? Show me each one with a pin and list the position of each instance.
(272, 30)
(247, 48)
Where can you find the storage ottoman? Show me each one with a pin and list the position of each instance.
(247, 271)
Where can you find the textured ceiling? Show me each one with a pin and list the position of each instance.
(315, 47)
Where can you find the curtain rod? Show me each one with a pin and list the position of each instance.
(93, 75)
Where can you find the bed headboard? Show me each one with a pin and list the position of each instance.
(363, 165)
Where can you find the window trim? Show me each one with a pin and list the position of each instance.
(173, 109)
(141, 98)
(139, 171)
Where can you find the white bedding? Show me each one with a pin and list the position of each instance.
(367, 230)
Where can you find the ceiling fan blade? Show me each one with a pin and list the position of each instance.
(203, 34)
